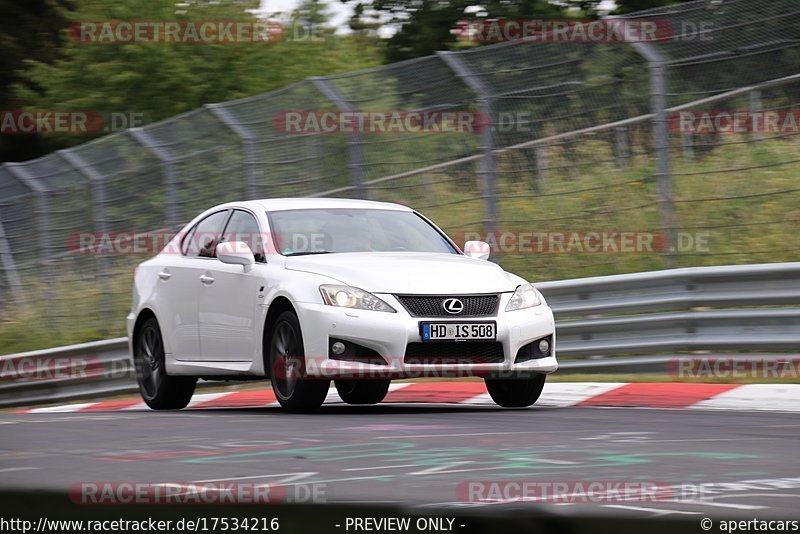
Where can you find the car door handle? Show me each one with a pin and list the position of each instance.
(207, 280)
(164, 275)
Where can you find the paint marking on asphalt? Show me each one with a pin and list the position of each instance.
(11, 469)
(724, 504)
(342, 480)
(440, 468)
(547, 461)
(379, 467)
(659, 511)
(290, 477)
(481, 434)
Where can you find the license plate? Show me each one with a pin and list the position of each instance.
(458, 331)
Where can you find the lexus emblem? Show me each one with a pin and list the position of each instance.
(453, 306)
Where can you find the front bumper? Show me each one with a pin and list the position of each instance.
(388, 334)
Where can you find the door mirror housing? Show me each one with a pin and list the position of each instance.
(236, 253)
(477, 249)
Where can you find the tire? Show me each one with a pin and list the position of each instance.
(159, 390)
(287, 362)
(362, 391)
(515, 392)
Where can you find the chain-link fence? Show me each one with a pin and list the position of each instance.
(601, 157)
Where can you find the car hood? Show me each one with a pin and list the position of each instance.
(409, 272)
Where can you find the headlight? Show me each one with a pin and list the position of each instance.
(525, 296)
(352, 297)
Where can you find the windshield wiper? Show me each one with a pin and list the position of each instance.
(310, 253)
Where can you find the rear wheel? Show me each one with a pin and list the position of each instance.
(515, 392)
(287, 364)
(362, 391)
(159, 390)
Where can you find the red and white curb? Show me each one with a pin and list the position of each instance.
(767, 397)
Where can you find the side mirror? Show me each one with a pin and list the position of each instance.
(477, 249)
(236, 253)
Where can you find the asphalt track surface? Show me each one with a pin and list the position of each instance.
(419, 455)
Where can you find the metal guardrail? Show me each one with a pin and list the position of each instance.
(743, 309)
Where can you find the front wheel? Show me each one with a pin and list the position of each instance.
(293, 390)
(362, 391)
(515, 392)
(159, 390)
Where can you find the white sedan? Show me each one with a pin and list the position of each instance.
(305, 291)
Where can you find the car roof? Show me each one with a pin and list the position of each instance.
(280, 204)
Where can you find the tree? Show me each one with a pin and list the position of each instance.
(622, 7)
(426, 26)
(161, 80)
(29, 30)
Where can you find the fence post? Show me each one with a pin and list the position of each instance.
(658, 107)
(755, 107)
(687, 144)
(42, 222)
(355, 152)
(473, 81)
(169, 173)
(252, 169)
(98, 192)
(10, 267)
(542, 166)
(622, 143)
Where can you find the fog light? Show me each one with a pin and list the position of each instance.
(544, 346)
(338, 348)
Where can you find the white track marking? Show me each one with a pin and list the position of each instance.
(778, 397)
(379, 467)
(724, 504)
(415, 436)
(12, 469)
(445, 468)
(481, 399)
(657, 511)
(289, 477)
(199, 398)
(561, 394)
(66, 408)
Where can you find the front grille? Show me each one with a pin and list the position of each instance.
(431, 306)
(444, 353)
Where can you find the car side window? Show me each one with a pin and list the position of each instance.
(204, 237)
(242, 226)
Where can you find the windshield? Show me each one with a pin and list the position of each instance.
(325, 231)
